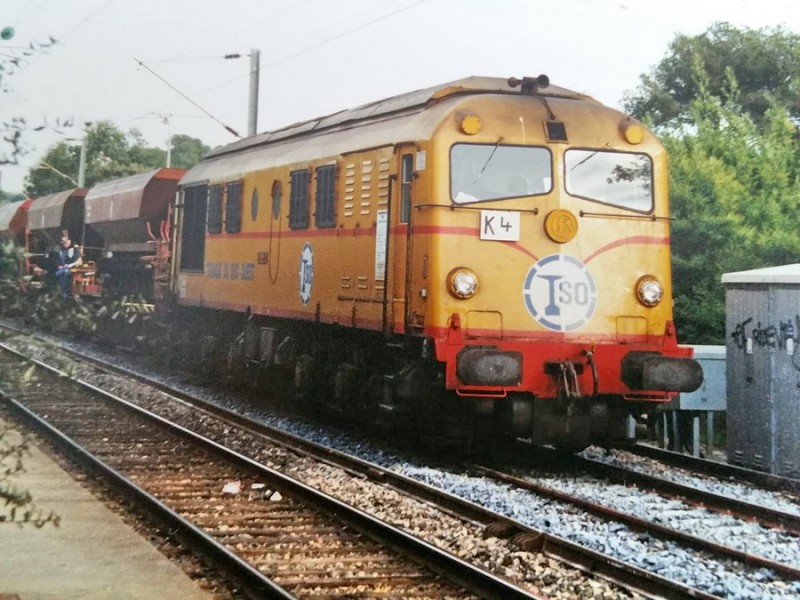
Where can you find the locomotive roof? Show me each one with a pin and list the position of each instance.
(371, 116)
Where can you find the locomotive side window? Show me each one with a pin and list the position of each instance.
(193, 238)
(276, 199)
(233, 207)
(254, 205)
(620, 179)
(480, 172)
(325, 215)
(215, 209)
(298, 200)
(407, 172)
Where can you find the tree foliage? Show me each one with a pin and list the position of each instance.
(17, 505)
(111, 154)
(735, 189)
(187, 151)
(725, 104)
(765, 62)
(9, 197)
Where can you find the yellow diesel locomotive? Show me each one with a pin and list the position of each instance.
(488, 252)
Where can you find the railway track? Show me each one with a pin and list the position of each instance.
(719, 470)
(280, 538)
(377, 481)
(786, 518)
(529, 538)
(663, 509)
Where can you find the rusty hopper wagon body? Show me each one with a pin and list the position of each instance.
(130, 218)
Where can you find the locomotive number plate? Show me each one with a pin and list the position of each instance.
(500, 225)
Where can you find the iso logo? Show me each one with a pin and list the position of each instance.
(559, 293)
(306, 273)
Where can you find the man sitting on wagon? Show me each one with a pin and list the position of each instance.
(68, 256)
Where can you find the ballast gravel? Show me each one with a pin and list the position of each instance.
(734, 489)
(696, 569)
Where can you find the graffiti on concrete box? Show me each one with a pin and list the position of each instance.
(778, 337)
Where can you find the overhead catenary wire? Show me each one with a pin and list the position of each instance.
(188, 99)
(279, 61)
(85, 20)
(345, 33)
(54, 41)
(318, 44)
(192, 59)
(102, 6)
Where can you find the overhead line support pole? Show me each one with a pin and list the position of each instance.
(252, 120)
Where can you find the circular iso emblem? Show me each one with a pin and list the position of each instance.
(559, 293)
(306, 273)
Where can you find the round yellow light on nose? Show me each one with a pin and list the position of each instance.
(633, 132)
(471, 124)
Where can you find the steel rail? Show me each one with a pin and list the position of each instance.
(770, 517)
(718, 469)
(634, 578)
(179, 528)
(643, 525)
(473, 578)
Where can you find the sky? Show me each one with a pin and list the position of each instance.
(158, 67)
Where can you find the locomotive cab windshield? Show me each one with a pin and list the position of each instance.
(482, 172)
(621, 179)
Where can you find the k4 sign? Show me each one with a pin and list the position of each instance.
(500, 225)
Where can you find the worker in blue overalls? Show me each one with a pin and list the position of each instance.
(69, 256)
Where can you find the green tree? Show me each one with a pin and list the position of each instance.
(57, 171)
(9, 197)
(725, 105)
(735, 189)
(110, 154)
(765, 62)
(187, 151)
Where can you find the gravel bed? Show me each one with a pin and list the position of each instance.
(746, 536)
(535, 572)
(734, 489)
(695, 569)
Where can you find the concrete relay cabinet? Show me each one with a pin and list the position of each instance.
(762, 318)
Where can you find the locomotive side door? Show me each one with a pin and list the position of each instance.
(398, 242)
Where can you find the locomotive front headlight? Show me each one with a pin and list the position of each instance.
(462, 283)
(649, 290)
